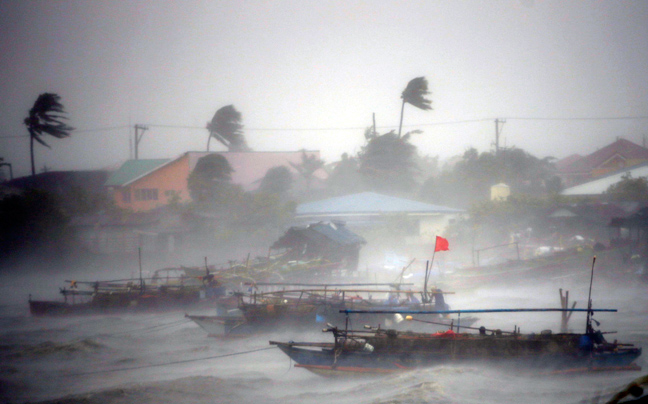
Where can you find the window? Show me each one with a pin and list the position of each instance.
(126, 195)
(146, 194)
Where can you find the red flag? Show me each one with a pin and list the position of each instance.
(441, 244)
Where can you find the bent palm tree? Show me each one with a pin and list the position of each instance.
(226, 127)
(46, 117)
(414, 94)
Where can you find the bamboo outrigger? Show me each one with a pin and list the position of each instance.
(377, 350)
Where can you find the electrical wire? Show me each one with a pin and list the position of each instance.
(285, 129)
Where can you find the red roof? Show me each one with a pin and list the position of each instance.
(622, 147)
(567, 161)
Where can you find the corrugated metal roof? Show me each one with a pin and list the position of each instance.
(600, 185)
(369, 203)
(319, 233)
(133, 169)
(338, 233)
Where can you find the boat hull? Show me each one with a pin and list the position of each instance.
(560, 352)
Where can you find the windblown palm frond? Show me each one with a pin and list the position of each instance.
(46, 117)
(226, 127)
(415, 93)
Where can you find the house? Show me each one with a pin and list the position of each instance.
(142, 185)
(618, 155)
(598, 187)
(332, 241)
(370, 209)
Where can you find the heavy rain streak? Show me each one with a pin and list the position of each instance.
(307, 202)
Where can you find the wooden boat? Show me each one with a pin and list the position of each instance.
(379, 350)
(305, 309)
(163, 291)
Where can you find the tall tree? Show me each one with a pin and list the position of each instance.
(309, 164)
(345, 177)
(211, 174)
(387, 162)
(226, 127)
(414, 94)
(277, 180)
(46, 117)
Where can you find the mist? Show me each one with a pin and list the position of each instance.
(511, 89)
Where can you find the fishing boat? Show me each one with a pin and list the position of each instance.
(377, 350)
(306, 309)
(168, 288)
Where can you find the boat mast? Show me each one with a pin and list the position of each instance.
(588, 324)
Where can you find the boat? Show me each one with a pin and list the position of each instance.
(374, 350)
(307, 309)
(168, 288)
(382, 351)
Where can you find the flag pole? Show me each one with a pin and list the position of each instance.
(425, 294)
(430, 271)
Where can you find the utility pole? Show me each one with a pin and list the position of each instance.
(138, 138)
(497, 133)
(374, 124)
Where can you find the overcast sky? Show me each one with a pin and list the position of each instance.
(310, 74)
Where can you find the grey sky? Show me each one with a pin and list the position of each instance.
(313, 64)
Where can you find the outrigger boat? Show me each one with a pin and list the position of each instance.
(376, 350)
(169, 288)
(306, 308)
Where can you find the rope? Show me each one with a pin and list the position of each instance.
(170, 363)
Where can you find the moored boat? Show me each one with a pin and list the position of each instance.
(386, 351)
(306, 309)
(169, 288)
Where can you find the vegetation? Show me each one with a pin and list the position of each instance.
(387, 162)
(210, 177)
(32, 221)
(309, 164)
(277, 181)
(345, 177)
(46, 117)
(226, 127)
(629, 189)
(414, 94)
(469, 181)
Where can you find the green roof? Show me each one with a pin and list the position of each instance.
(133, 169)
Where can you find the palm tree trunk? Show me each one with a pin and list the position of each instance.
(209, 140)
(400, 126)
(31, 153)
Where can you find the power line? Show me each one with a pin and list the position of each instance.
(94, 130)
(608, 118)
(460, 122)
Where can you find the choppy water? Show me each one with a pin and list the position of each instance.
(161, 358)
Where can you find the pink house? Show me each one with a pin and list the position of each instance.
(142, 185)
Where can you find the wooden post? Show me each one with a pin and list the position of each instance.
(565, 316)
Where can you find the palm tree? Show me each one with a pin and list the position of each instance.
(309, 164)
(414, 94)
(226, 127)
(46, 117)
